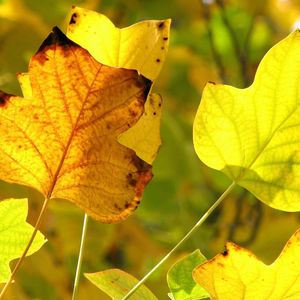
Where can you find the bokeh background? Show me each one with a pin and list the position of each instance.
(221, 41)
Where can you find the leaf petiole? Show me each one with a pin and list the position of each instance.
(189, 233)
(79, 262)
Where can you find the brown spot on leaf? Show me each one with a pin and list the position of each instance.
(73, 18)
(154, 114)
(225, 252)
(212, 82)
(158, 60)
(131, 180)
(162, 48)
(4, 98)
(161, 25)
(117, 207)
(165, 38)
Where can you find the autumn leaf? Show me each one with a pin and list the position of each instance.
(15, 234)
(237, 274)
(252, 134)
(61, 139)
(116, 283)
(144, 136)
(142, 46)
(180, 281)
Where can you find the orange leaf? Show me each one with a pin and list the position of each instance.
(62, 138)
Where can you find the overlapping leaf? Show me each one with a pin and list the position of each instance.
(142, 46)
(15, 234)
(62, 137)
(252, 134)
(237, 274)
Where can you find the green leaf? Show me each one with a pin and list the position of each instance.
(252, 135)
(15, 234)
(180, 280)
(116, 283)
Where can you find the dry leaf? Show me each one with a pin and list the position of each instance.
(62, 137)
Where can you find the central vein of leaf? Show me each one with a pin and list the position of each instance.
(66, 149)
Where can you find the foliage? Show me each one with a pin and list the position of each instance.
(15, 234)
(180, 281)
(115, 282)
(238, 274)
(216, 42)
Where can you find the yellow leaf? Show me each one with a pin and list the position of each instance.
(63, 139)
(237, 274)
(142, 46)
(144, 136)
(252, 134)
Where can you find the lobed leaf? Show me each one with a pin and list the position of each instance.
(237, 274)
(62, 137)
(116, 283)
(252, 135)
(15, 233)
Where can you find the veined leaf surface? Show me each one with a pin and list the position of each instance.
(252, 134)
(237, 274)
(62, 137)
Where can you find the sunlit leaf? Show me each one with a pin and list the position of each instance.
(237, 274)
(142, 46)
(252, 134)
(62, 138)
(180, 280)
(15, 233)
(116, 283)
(144, 136)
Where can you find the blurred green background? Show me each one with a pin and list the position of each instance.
(221, 41)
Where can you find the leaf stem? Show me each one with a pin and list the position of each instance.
(189, 233)
(79, 262)
(20, 261)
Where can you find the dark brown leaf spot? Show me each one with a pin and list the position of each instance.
(131, 180)
(117, 207)
(158, 60)
(73, 18)
(4, 98)
(161, 25)
(162, 48)
(225, 252)
(212, 82)
(154, 114)
(165, 38)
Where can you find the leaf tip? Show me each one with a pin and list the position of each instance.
(56, 37)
